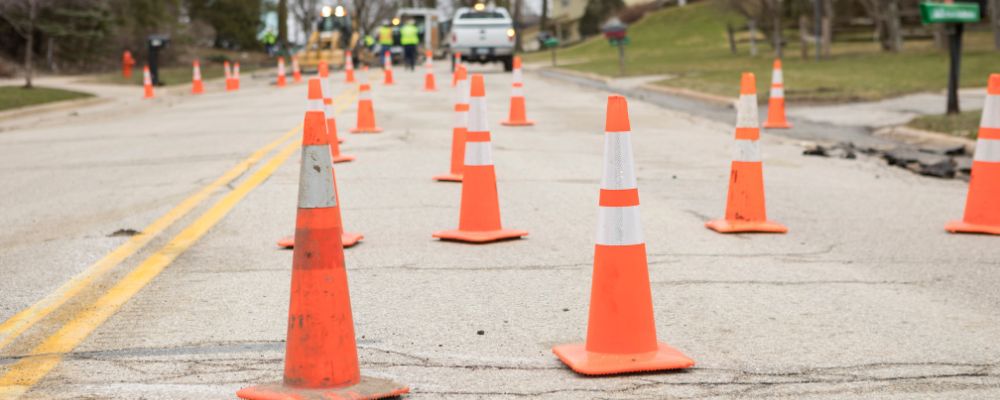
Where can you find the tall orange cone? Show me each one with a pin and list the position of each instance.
(366, 109)
(621, 331)
(323, 70)
(296, 70)
(147, 83)
(776, 102)
(347, 238)
(387, 69)
(429, 84)
(227, 70)
(458, 129)
(236, 76)
(479, 218)
(197, 86)
(321, 355)
(281, 72)
(518, 115)
(982, 205)
(454, 70)
(348, 67)
(745, 211)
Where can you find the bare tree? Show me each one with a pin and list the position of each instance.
(995, 22)
(888, 28)
(306, 13)
(22, 15)
(369, 13)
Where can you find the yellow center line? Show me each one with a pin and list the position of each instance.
(28, 371)
(13, 327)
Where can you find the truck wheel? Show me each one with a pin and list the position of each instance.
(508, 63)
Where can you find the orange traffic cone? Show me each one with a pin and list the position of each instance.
(621, 331)
(366, 109)
(347, 238)
(349, 68)
(281, 72)
(147, 83)
(387, 69)
(479, 218)
(982, 205)
(197, 86)
(776, 103)
(429, 84)
(456, 61)
(227, 70)
(745, 211)
(236, 76)
(321, 355)
(518, 115)
(296, 71)
(458, 130)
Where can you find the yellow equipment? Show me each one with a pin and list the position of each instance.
(334, 34)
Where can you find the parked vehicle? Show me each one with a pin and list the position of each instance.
(483, 35)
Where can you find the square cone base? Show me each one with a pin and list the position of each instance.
(777, 125)
(724, 226)
(343, 158)
(586, 362)
(965, 227)
(367, 130)
(518, 123)
(347, 238)
(449, 178)
(368, 388)
(480, 236)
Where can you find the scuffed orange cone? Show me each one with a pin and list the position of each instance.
(321, 356)
(228, 72)
(347, 238)
(349, 67)
(458, 129)
(296, 70)
(147, 83)
(745, 210)
(366, 109)
(982, 205)
(518, 114)
(621, 330)
(387, 70)
(776, 102)
(281, 82)
(457, 61)
(197, 86)
(479, 218)
(323, 71)
(429, 84)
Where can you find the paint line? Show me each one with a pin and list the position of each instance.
(28, 371)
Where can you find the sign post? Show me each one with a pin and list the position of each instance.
(955, 15)
(615, 31)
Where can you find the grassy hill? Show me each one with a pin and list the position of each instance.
(690, 45)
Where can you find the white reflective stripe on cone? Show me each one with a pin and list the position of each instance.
(991, 112)
(197, 74)
(619, 226)
(462, 92)
(478, 153)
(477, 115)
(365, 95)
(314, 105)
(517, 76)
(777, 92)
(778, 77)
(328, 110)
(987, 150)
(316, 178)
(517, 91)
(461, 119)
(619, 172)
(747, 150)
(324, 87)
(746, 111)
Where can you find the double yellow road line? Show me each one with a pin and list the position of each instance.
(29, 370)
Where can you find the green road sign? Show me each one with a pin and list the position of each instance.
(937, 13)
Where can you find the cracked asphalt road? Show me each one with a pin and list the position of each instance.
(865, 297)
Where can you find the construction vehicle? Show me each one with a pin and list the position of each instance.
(333, 35)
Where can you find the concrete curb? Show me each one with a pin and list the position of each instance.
(921, 137)
(51, 107)
(707, 97)
(595, 79)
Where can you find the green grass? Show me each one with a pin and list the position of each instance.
(171, 75)
(12, 97)
(689, 44)
(965, 124)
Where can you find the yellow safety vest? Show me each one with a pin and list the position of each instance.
(385, 35)
(409, 34)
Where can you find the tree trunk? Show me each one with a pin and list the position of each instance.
(518, 45)
(543, 22)
(827, 27)
(29, 50)
(283, 24)
(893, 27)
(779, 10)
(995, 22)
(804, 35)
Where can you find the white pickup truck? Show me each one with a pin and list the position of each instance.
(482, 35)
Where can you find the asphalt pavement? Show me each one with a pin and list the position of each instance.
(865, 297)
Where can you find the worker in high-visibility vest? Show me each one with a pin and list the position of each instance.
(384, 38)
(409, 37)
